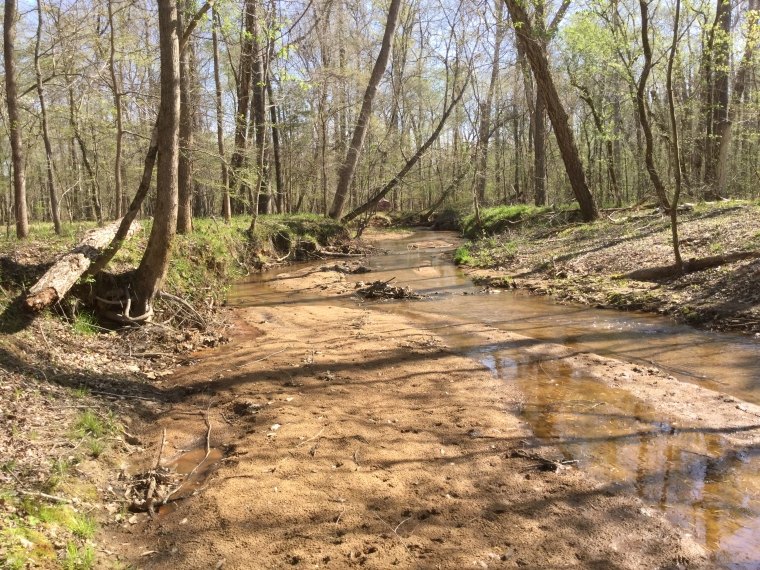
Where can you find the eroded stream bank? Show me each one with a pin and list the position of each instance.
(416, 434)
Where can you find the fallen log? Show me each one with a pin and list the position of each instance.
(65, 272)
(691, 266)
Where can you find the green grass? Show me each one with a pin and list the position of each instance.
(79, 557)
(85, 323)
(488, 252)
(90, 423)
(82, 526)
(500, 218)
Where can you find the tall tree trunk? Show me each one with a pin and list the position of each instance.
(14, 120)
(116, 86)
(260, 195)
(152, 270)
(55, 213)
(739, 87)
(539, 150)
(560, 122)
(674, 138)
(641, 103)
(484, 129)
(276, 152)
(348, 168)
(720, 55)
(226, 207)
(185, 168)
(243, 78)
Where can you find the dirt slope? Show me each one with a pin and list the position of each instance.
(582, 263)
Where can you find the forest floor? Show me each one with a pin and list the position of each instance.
(583, 263)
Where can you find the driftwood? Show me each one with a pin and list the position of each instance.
(691, 266)
(64, 273)
(383, 290)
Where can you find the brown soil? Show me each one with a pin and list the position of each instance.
(353, 438)
(582, 263)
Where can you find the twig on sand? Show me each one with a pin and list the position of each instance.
(264, 357)
(44, 496)
(312, 438)
(161, 450)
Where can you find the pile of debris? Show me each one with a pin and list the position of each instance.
(384, 290)
(149, 490)
(350, 268)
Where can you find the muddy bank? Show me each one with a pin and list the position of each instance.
(582, 263)
(353, 437)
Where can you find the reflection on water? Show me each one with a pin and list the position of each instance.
(701, 482)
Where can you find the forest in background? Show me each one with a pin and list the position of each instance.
(272, 91)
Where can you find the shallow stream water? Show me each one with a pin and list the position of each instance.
(702, 483)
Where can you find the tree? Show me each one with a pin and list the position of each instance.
(119, 197)
(155, 261)
(674, 139)
(55, 213)
(185, 167)
(226, 208)
(484, 129)
(716, 91)
(348, 168)
(14, 120)
(560, 122)
(737, 92)
(642, 106)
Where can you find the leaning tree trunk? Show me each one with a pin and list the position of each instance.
(152, 270)
(14, 120)
(348, 168)
(560, 122)
(396, 180)
(64, 274)
(55, 213)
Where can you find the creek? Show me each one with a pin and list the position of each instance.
(696, 478)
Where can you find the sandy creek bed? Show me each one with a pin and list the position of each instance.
(414, 434)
